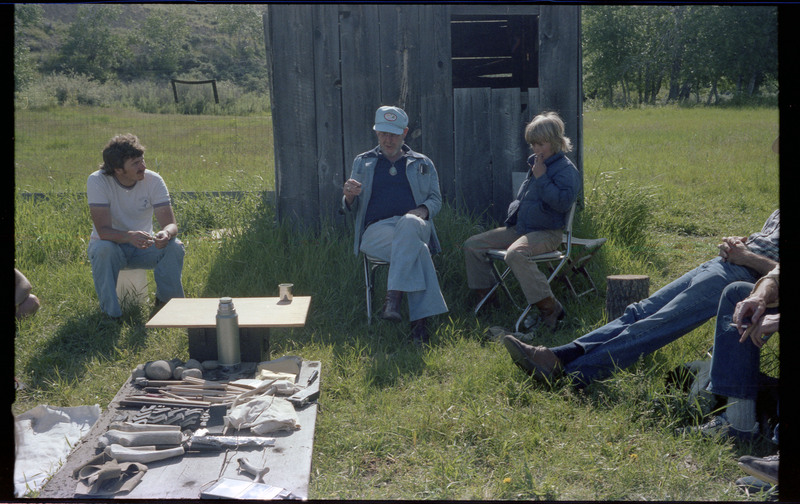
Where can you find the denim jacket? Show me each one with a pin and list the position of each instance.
(422, 178)
(543, 203)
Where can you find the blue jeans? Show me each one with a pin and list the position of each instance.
(403, 242)
(648, 325)
(107, 258)
(734, 365)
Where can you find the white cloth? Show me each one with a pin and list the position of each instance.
(264, 414)
(44, 436)
(131, 207)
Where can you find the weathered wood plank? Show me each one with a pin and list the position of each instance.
(361, 88)
(399, 54)
(492, 9)
(560, 72)
(294, 115)
(328, 104)
(252, 312)
(507, 146)
(473, 161)
(436, 96)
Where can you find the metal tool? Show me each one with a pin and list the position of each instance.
(201, 440)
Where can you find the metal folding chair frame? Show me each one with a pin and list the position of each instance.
(370, 265)
(561, 256)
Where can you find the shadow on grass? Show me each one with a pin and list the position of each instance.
(79, 339)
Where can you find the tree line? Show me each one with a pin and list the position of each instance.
(645, 54)
(156, 42)
(632, 54)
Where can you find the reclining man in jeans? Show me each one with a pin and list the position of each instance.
(646, 326)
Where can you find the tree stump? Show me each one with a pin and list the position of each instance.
(622, 290)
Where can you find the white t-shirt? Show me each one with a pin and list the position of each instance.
(131, 207)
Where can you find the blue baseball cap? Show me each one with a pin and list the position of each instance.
(390, 120)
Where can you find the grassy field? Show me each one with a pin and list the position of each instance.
(56, 149)
(457, 420)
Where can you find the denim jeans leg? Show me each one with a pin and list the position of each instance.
(644, 327)
(403, 242)
(411, 268)
(106, 258)
(734, 365)
(167, 266)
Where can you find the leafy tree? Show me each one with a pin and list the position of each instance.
(161, 44)
(25, 15)
(242, 57)
(692, 47)
(93, 47)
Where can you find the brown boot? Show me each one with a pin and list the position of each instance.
(538, 361)
(391, 307)
(419, 332)
(550, 312)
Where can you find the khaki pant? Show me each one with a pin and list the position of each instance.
(519, 249)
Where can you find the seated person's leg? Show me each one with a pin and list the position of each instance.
(479, 268)
(28, 307)
(107, 259)
(168, 272)
(690, 301)
(532, 280)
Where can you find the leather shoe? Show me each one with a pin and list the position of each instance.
(763, 468)
(391, 307)
(550, 312)
(419, 332)
(538, 361)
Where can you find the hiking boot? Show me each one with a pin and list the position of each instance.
(550, 312)
(419, 332)
(391, 307)
(538, 361)
(763, 468)
(719, 425)
(754, 487)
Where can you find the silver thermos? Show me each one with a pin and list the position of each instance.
(228, 353)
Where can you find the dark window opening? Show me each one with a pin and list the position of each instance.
(495, 51)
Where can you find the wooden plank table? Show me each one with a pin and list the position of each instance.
(253, 312)
(183, 477)
(256, 316)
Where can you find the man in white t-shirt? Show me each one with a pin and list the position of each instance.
(123, 196)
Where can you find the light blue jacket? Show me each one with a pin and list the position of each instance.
(544, 203)
(422, 178)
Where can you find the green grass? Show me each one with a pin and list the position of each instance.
(56, 149)
(457, 420)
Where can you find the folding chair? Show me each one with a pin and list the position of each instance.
(557, 256)
(589, 248)
(370, 265)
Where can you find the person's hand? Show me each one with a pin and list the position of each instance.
(162, 238)
(351, 189)
(759, 331)
(733, 249)
(747, 311)
(421, 212)
(140, 239)
(539, 168)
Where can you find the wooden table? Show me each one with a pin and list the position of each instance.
(183, 477)
(256, 316)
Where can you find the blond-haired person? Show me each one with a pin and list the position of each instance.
(536, 219)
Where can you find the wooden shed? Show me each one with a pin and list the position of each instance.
(469, 76)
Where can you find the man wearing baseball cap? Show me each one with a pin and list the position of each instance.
(394, 193)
